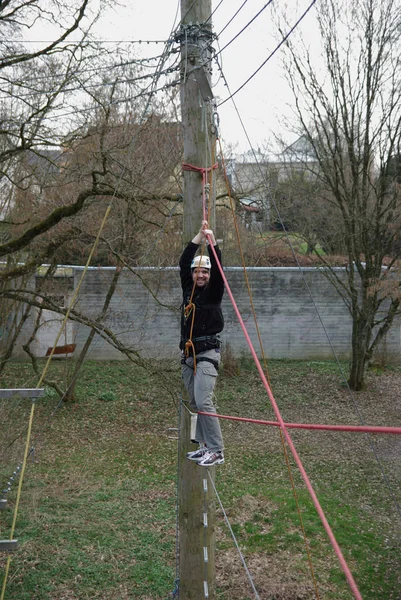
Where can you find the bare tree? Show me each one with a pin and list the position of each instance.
(350, 111)
(34, 81)
(39, 82)
(305, 211)
(77, 133)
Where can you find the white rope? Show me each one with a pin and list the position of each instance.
(234, 538)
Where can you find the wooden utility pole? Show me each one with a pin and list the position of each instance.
(196, 498)
(196, 111)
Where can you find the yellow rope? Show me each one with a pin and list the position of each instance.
(294, 492)
(45, 369)
(18, 497)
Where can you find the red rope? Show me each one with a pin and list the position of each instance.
(287, 436)
(203, 171)
(187, 310)
(188, 167)
(355, 428)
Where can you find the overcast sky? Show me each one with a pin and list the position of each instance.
(262, 103)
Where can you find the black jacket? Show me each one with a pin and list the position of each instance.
(208, 315)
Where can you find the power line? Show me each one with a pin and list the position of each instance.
(134, 61)
(246, 26)
(99, 41)
(141, 94)
(285, 38)
(85, 86)
(232, 18)
(216, 54)
(139, 61)
(213, 11)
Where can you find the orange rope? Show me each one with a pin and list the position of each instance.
(190, 307)
(267, 375)
(243, 264)
(215, 166)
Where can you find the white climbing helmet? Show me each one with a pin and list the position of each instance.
(201, 261)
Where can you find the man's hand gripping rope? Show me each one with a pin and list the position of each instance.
(204, 235)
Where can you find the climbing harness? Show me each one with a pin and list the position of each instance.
(190, 308)
(201, 359)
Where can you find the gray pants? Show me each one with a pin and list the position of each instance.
(200, 389)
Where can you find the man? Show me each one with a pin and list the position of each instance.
(201, 321)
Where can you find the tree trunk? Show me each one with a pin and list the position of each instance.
(361, 335)
(70, 391)
(17, 327)
(356, 379)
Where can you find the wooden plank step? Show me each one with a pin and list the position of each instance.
(8, 545)
(67, 349)
(22, 392)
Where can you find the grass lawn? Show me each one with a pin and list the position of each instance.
(97, 512)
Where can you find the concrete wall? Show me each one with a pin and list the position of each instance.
(289, 323)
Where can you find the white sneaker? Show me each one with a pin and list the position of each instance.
(211, 458)
(198, 454)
